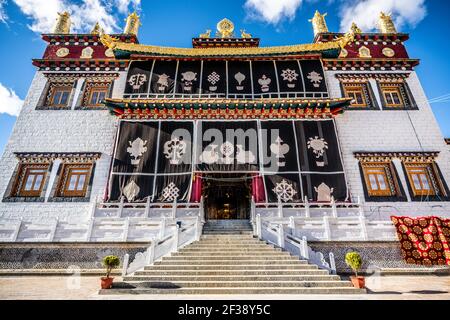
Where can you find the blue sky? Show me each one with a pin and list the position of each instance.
(175, 22)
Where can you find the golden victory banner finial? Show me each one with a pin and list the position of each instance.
(63, 23)
(385, 23)
(133, 24)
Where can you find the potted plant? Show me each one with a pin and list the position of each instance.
(354, 261)
(110, 262)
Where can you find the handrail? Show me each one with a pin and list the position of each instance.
(291, 243)
(149, 256)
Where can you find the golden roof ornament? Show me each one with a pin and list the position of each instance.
(319, 23)
(245, 35)
(97, 29)
(225, 28)
(63, 23)
(205, 35)
(355, 29)
(133, 24)
(385, 23)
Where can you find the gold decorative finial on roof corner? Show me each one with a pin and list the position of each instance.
(225, 28)
(355, 29)
(319, 23)
(133, 24)
(245, 35)
(385, 23)
(205, 35)
(97, 29)
(63, 23)
(109, 41)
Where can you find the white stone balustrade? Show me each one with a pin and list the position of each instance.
(105, 222)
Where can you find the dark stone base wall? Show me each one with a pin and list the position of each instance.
(63, 255)
(375, 255)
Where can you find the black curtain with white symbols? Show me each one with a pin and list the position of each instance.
(233, 78)
(297, 159)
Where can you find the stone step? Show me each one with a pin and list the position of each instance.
(229, 227)
(228, 236)
(235, 284)
(228, 245)
(157, 278)
(236, 268)
(228, 262)
(230, 250)
(234, 291)
(191, 271)
(226, 232)
(228, 221)
(229, 242)
(245, 257)
(207, 254)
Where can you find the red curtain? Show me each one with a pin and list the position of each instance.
(196, 194)
(424, 240)
(258, 189)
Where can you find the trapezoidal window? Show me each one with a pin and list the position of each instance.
(392, 96)
(361, 94)
(30, 180)
(356, 92)
(396, 95)
(95, 94)
(422, 179)
(59, 95)
(74, 180)
(379, 179)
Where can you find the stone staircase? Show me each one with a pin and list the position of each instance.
(228, 260)
(227, 227)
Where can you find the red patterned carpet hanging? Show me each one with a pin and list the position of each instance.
(424, 241)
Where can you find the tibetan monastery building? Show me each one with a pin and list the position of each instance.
(119, 141)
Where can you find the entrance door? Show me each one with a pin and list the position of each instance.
(227, 196)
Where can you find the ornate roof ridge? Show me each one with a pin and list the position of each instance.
(118, 45)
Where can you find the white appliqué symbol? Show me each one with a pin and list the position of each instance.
(279, 148)
(284, 191)
(225, 154)
(323, 192)
(318, 145)
(243, 156)
(289, 76)
(187, 79)
(163, 82)
(131, 191)
(170, 193)
(213, 78)
(264, 82)
(315, 79)
(239, 78)
(136, 149)
(137, 80)
(174, 150)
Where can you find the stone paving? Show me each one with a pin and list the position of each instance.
(86, 287)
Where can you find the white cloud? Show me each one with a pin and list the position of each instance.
(123, 6)
(10, 103)
(3, 16)
(43, 12)
(84, 13)
(366, 12)
(272, 11)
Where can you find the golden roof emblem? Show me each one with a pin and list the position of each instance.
(225, 28)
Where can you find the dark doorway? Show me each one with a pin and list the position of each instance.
(227, 196)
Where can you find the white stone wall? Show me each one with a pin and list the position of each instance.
(94, 131)
(58, 131)
(415, 130)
